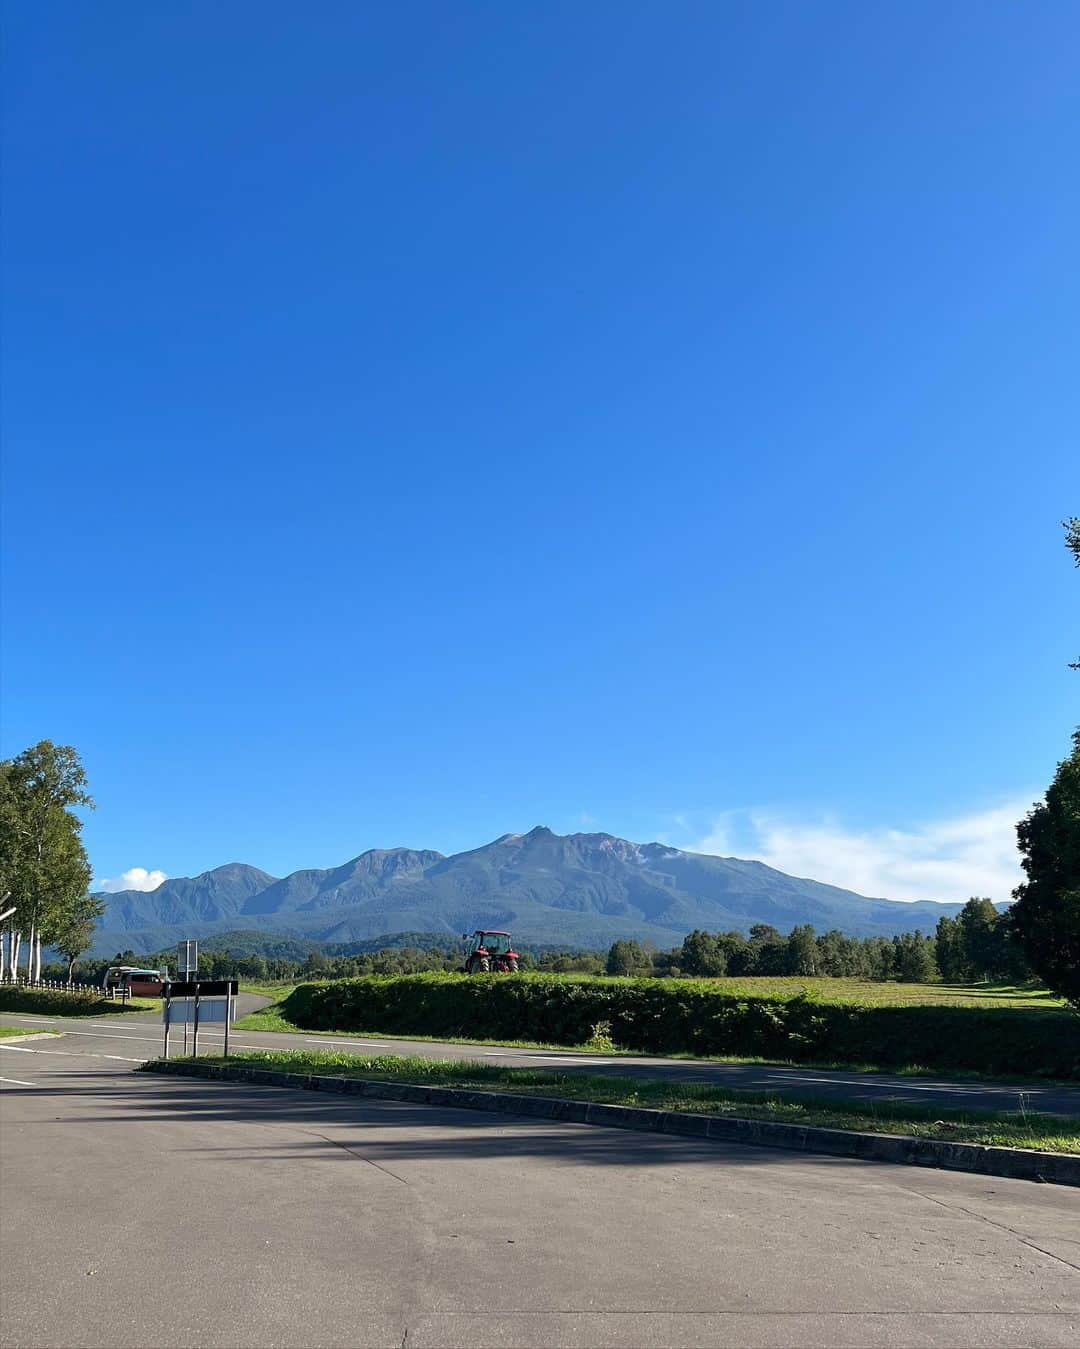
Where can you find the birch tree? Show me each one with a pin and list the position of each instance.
(42, 859)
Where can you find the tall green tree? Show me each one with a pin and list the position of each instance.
(1046, 915)
(950, 951)
(627, 957)
(42, 858)
(73, 930)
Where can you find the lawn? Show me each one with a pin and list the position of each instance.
(1020, 1129)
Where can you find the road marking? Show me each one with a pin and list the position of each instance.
(17, 1082)
(79, 1054)
(568, 1058)
(956, 1087)
(369, 1044)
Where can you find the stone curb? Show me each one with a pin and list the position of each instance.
(1056, 1168)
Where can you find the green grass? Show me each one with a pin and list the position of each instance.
(6, 1031)
(1018, 1129)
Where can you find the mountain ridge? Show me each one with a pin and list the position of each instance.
(582, 889)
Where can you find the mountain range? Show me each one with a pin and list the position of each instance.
(584, 890)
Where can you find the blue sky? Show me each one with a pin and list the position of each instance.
(424, 421)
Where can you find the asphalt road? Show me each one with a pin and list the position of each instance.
(139, 1210)
(143, 1037)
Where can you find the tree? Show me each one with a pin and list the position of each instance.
(43, 858)
(702, 955)
(977, 922)
(1046, 915)
(950, 951)
(802, 951)
(74, 930)
(914, 958)
(627, 957)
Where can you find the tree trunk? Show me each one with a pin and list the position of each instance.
(16, 942)
(37, 957)
(30, 955)
(71, 967)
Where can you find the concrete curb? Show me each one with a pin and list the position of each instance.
(1056, 1168)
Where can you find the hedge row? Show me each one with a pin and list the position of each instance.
(56, 1002)
(683, 1016)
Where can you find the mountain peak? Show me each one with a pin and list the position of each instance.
(578, 889)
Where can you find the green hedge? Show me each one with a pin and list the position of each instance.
(684, 1016)
(56, 1002)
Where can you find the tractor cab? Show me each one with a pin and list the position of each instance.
(488, 950)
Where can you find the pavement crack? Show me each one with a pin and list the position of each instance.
(990, 1222)
(360, 1158)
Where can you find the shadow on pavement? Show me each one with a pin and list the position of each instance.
(424, 1129)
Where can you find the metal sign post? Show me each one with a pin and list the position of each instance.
(197, 1002)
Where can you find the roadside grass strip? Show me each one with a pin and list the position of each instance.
(1022, 1128)
(21, 1033)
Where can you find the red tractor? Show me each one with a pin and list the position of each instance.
(489, 951)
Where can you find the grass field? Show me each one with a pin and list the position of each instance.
(859, 991)
(1023, 1129)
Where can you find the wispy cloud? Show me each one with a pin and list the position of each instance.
(949, 859)
(136, 878)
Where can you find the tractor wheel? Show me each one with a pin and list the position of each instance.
(511, 967)
(478, 965)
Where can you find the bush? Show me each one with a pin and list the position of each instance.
(57, 1002)
(685, 1016)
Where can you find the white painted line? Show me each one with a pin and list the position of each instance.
(566, 1058)
(16, 1082)
(368, 1044)
(80, 1054)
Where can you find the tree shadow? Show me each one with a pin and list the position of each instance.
(383, 1131)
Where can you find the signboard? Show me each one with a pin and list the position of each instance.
(182, 1011)
(205, 988)
(187, 957)
(194, 1003)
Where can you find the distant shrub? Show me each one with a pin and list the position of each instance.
(685, 1016)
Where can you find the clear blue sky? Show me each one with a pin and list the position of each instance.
(427, 420)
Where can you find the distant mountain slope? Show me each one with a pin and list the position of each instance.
(579, 889)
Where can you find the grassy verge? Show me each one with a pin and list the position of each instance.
(1020, 1129)
(6, 1031)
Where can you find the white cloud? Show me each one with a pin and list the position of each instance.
(137, 878)
(949, 859)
